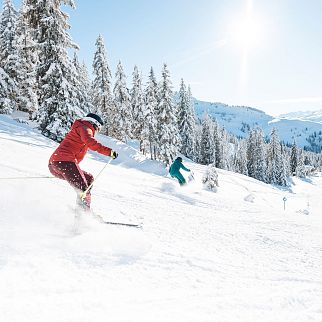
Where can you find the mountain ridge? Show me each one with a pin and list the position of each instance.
(239, 120)
(313, 116)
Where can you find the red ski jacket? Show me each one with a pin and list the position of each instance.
(79, 139)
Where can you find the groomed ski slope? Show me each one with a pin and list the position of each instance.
(234, 255)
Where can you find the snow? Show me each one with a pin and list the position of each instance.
(313, 116)
(290, 127)
(234, 255)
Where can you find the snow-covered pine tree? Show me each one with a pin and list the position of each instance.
(86, 84)
(273, 157)
(26, 59)
(137, 103)
(58, 101)
(197, 147)
(167, 131)
(207, 151)
(218, 145)
(293, 159)
(122, 121)
(275, 166)
(186, 121)
(150, 123)
(300, 169)
(311, 162)
(8, 20)
(286, 156)
(308, 158)
(227, 151)
(319, 161)
(181, 107)
(101, 87)
(210, 178)
(251, 161)
(286, 165)
(191, 126)
(8, 88)
(261, 170)
(240, 159)
(256, 164)
(83, 86)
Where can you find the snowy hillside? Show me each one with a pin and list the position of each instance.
(239, 119)
(312, 116)
(234, 255)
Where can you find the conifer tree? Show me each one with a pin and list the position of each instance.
(56, 74)
(275, 166)
(197, 146)
(240, 160)
(168, 136)
(86, 85)
(181, 106)
(8, 88)
(227, 154)
(210, 178)
(101, 86)
(300, 169)
(190, 126)
(286, 156)
(256, 165)
(150, 123)
(186, 121)
(293, 159)
(122, 122)
(207, 152)
(137, 103)
(82, 86)
(8, 19)
(26, 60)
(218, 145)
(286, 166)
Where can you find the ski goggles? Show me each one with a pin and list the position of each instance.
(97, 127)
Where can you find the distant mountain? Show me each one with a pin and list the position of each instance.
(313, 116)
(238, 120)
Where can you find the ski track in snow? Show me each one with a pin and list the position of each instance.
(234, 255)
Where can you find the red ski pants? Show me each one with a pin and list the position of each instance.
(74, 175)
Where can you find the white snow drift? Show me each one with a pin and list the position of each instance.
(234, 255)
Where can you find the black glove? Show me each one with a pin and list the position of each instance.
(114, 154)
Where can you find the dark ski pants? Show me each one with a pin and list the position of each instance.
(180, 178)
(77, 178)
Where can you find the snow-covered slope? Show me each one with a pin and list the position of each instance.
(234, 255)
(239, 119)
(312, 116)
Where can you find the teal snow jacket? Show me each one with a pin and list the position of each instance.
(176, 166)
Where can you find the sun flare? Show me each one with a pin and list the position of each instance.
(245, 35)
(246, 32)
(246, 29)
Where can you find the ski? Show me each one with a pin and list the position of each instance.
(101, 220)
(121, 224)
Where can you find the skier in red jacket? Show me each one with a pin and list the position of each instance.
(64, 162)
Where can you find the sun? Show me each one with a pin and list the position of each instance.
(246, 33)
(246, 28)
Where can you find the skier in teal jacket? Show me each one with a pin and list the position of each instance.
(175, 170)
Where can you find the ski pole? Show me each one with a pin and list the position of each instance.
(83, 194)
(40, 177)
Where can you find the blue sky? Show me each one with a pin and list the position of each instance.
(265, 54)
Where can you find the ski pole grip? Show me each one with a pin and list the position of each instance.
(82, 195)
